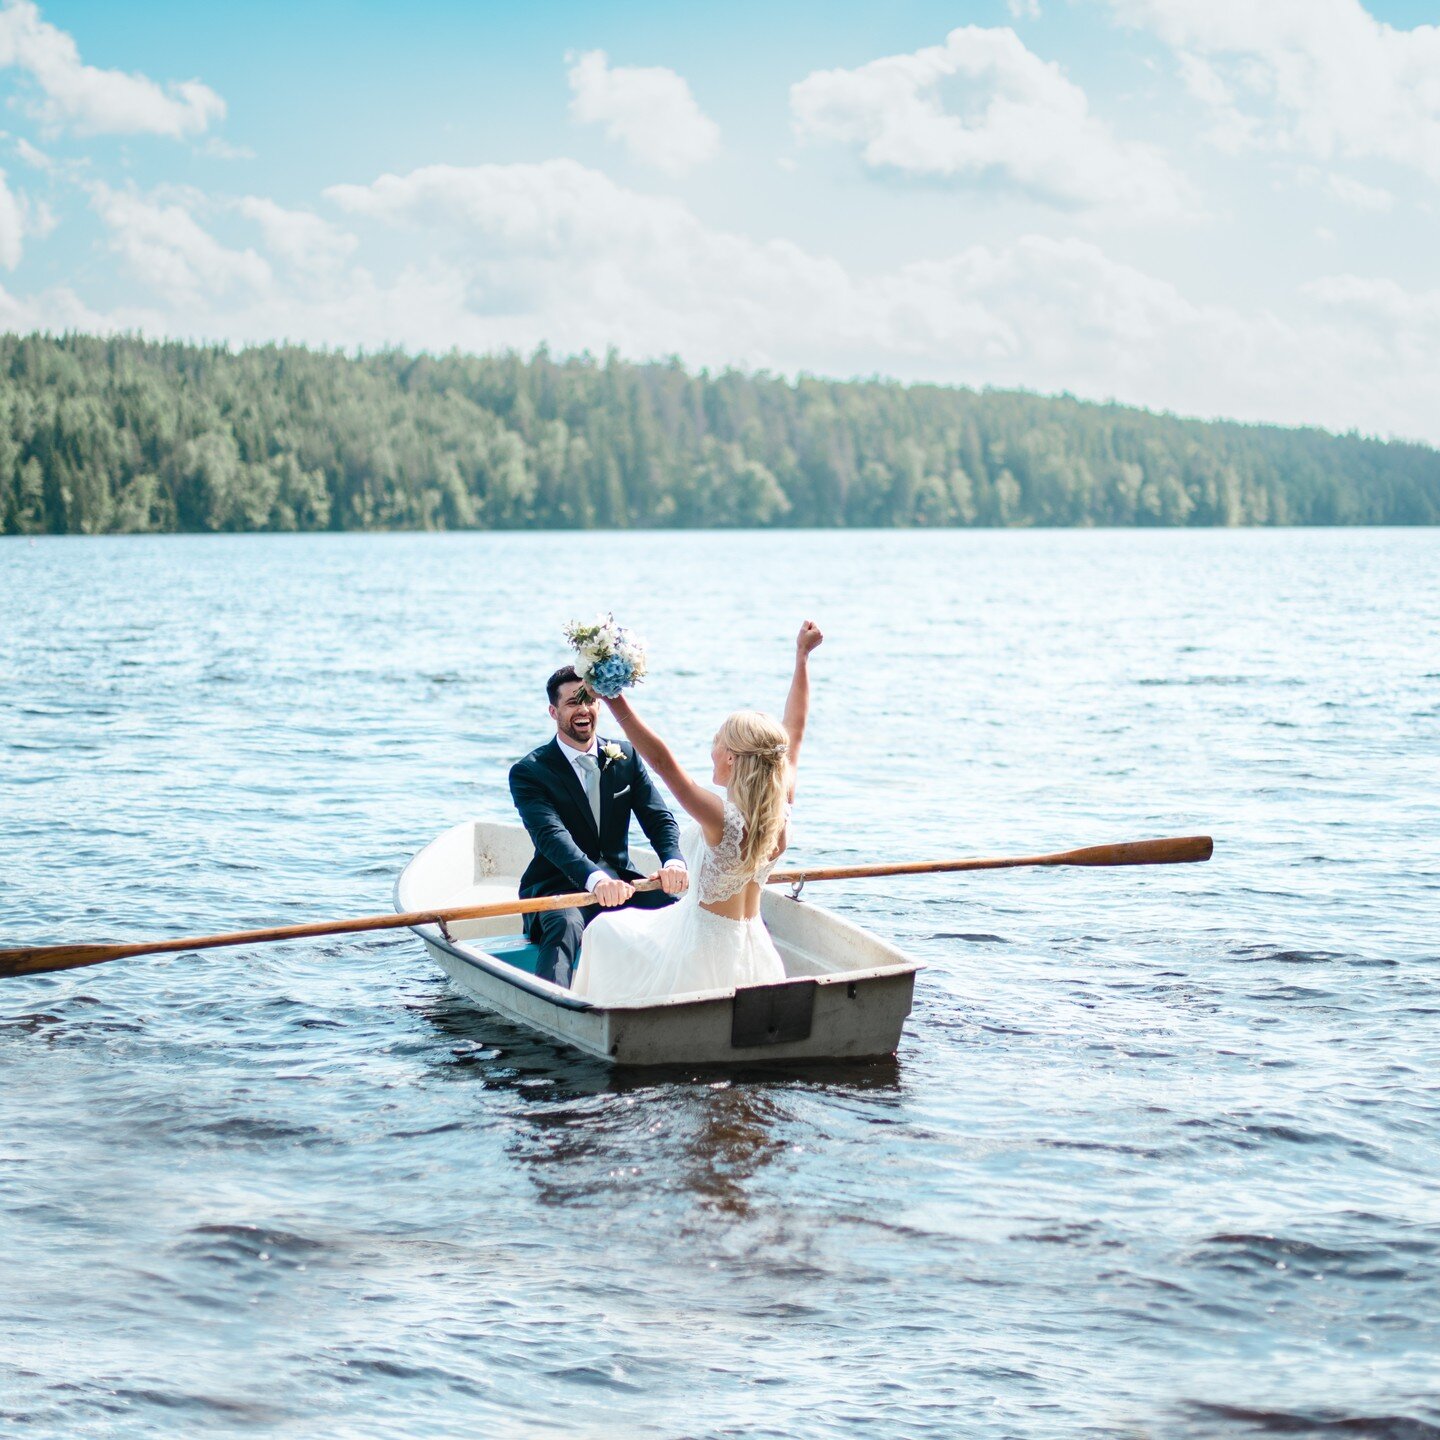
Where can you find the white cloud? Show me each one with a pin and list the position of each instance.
(165, 247)
(61, 309)
(36, 159)
(1357, 194)
(1023, 9)
(13, 225)
(40, 219)
(1347, 190)
(20, 217)
(1402, 324)
(93, 101)
(1394, 338)
(219, 149)
(1230, 130)
(649, 110)
(547, 209)
(302, 240)
(1321, 78)
(983, 107)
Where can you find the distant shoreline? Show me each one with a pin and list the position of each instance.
(540, 535)
(128, 436)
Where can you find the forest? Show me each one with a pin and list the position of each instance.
(125, 435)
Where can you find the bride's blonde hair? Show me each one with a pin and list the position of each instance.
(759, 746)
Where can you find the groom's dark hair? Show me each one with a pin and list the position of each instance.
(563, 676)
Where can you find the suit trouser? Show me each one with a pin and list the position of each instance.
(558, 933)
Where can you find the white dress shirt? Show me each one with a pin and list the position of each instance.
(572, 754)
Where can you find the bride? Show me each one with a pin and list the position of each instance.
(713, 937)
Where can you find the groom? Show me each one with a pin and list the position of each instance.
(576, 795)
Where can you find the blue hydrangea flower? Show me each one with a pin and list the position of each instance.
(610, 676)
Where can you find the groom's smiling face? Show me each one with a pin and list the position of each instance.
(575, 712)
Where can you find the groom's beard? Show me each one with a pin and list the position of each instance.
(578, 737)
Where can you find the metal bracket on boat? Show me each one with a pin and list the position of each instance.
(445, 931)
(796, 886)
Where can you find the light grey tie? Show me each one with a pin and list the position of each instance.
(590, 770)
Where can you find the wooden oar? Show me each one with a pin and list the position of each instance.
(1183, 850)
(39, 959)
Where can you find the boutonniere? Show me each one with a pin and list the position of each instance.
(611, 753)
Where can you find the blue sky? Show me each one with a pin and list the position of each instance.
(1211, 206)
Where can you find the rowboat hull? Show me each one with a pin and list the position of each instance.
(845, 996)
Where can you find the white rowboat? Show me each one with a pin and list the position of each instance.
(845, 996)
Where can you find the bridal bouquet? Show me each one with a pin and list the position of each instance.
(608, 657)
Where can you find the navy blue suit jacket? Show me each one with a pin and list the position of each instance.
(556, 811)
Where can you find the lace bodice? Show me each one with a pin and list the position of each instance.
(650, 957)
(722, 874)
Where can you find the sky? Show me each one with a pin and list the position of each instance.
(1212, 207)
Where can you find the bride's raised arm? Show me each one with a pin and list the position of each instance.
(701, 804)
(797, 703)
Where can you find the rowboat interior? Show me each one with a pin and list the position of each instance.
(846, 991)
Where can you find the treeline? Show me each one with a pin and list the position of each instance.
(115, 435)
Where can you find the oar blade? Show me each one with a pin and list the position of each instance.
(41, 959)
(1177, 850)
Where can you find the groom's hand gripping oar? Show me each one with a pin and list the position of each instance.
(40, 959)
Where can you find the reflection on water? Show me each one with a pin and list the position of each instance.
(579, 1117)
(1158, 1154)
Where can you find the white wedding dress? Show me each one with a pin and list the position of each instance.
(632, 957)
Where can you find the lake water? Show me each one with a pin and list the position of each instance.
(1158, 1155)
